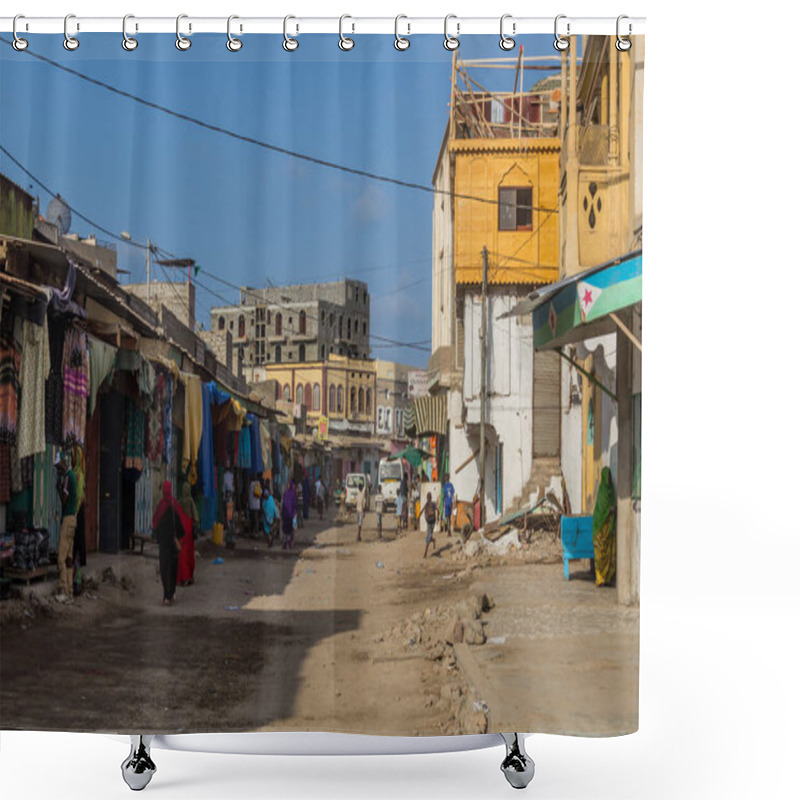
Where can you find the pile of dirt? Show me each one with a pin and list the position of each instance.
(433, 633)
(537, 546)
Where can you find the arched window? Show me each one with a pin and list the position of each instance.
(340, 326)
(389, 419)
(298, 397)
(221, 324)
(278, 324)
(307, 396)
(277, 354)
(332, 399)
(241, 326)
(352, 408)
(322, 317)
(340, 399)
(302, 356)
(380, 417)
(360, 400)
(302, 323)
(315, 406)
(348, 328)
(287, 392)
(369, 401)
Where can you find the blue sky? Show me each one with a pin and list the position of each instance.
(242, 212)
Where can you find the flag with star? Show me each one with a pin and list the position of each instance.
(587, 297)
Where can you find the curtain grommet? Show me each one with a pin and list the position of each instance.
(290, 44)
(623, 45)
(19, 44)
(561, 43)
(129, 43)
(233, 44)
(70, 42)
(401, 43)
(507, 42)
(181, 42)
(345, 42)
(451, 42)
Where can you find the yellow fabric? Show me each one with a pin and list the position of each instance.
(193, 420)
(80, 477)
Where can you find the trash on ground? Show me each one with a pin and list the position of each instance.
(218, 560)
(379, 564)
(232, 608)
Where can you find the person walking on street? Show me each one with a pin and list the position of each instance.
(404, 497)
(379, 511)
(360, 502)
(68, 491)
(449, 492)
(319, 488)
(430, 512)
(254, 503)
(289, 515)
(191, 523)
(168, 530)
(269, 516)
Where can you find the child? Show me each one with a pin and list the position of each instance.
(379, 511)
(431, 512)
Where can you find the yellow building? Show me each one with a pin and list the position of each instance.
(341, 388)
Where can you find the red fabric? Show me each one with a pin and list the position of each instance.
(167, 501)
(186, 555)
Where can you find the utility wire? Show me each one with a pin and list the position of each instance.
(260, 143)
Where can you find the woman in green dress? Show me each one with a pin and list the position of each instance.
(604, 532)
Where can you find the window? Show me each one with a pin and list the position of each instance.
(515, 213)
(316, 404)
(340, 329)
(398, 420)
(287, 392)
(277, 354)
(369, 401)
(302, 322)
(302, 356)
(269, 317)
(380, 417)
(221, 325)
(340, 399)
(365, 297)
(279, 324)
(322, 317)
(332, 399)
(389, 419)
(298, 398)
(241, 326)
(360, 401)
(352, 408)
(323, 352)
(348, 327)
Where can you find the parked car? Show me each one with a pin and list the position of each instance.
(355, 482)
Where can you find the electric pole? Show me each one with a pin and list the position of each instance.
(483, 335)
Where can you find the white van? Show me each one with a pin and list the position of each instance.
(354, 483)
(390, 473)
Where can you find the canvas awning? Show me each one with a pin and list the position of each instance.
(426, 416)
(413, 455)
(586, 305)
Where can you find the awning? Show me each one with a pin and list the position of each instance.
(413, 455)
(426, 416)
(585, 305)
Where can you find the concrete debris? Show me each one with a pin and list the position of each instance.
(504, 544)
(474, 633)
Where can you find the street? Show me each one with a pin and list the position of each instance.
(338, 635)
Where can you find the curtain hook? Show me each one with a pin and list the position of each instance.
(451, 42)
(233, 44)
(401, 42)
(128, 42)
(70, 42)
(623, 45)
(345, 43)
(506, 42)
(19, 43)
(289, 43)
(181, 42)
(561, 44)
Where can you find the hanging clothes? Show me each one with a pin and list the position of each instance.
(134, 436)
(266, 445)
(193, 420)
(101, 364)
(256, 461)
(155, 421)
(76, 386)
(33, 371)
(169, 384)
(206, 449)
(54, 385)
(43, 484)
(244, 456)
(9, 387)
(5, 473)
(144, 502)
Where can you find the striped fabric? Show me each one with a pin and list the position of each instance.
(426, 415)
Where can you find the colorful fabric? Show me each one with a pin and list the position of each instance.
(54, 385)
(76, 386)
(206, 449)
(155, 421)
(169, 387)
(604, 532)
(9, 387)
(266, 445)
(33, 371)
(144, 502)
(244, 458)
(256, 459)
(16, 471)
(134, 436)
(80, 475)
(193, 420)
(101, 364)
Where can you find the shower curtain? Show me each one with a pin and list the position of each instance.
(361, 336)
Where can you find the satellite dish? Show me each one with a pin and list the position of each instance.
(59, 214)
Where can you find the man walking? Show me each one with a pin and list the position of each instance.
(68, 492)
(430, 511)
(379, 511)
(449, 492)
(360, 495)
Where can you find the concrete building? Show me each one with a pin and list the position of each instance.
(391, 398)
(296, 324)
(177, 296)
(497, 179)
(593, 316)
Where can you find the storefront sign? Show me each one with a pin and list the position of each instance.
(417, 383)
(323, 427)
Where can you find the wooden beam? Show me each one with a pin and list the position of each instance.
(625, 330)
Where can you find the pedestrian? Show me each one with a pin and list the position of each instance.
(415, 497)
(431, 512)
(449, 492)
(191, 524)
(402, 502)
(289, 515)
(306, 494)
(319, 488)
(168, 530)
(68, 490)
(299, 501)
(379, 511)
(604, 534)
(254, 504)
(360, 495)
(269, 516)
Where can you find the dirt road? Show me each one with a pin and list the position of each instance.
(339, 636)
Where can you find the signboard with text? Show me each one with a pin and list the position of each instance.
(417, 383)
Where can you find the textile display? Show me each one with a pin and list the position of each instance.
(405, 280)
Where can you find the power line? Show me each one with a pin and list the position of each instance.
(262, 144)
